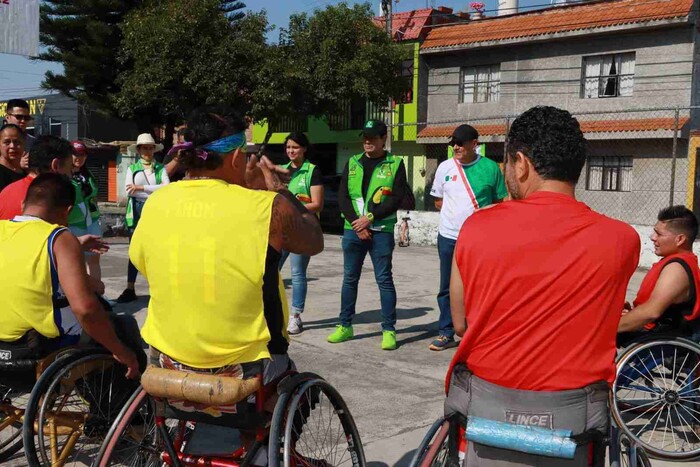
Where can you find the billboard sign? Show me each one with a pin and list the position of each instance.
(19, 27)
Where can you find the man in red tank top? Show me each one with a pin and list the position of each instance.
(668, 297)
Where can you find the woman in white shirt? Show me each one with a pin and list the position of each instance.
(143, 177)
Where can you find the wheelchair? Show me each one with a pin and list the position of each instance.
(655, 400)
(445, 445)
(57, 407)
(309, 426)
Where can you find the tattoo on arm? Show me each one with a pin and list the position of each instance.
(293, 228)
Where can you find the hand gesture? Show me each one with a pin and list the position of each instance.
(131, 189)
(365, 235)
(264, 175)
(128, 358)
(93, 244)
(360, 224)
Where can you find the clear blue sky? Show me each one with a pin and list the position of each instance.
(20, 76)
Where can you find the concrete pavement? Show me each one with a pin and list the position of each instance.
(393, 396)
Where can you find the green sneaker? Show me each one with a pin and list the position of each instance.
(341, 334)
(388, 340)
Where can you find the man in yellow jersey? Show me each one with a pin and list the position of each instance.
(40, 260)
(210, 247)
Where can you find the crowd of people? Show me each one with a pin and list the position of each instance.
(531, 279)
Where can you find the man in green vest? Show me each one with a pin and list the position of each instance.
(372, 187)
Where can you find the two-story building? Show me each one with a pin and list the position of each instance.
(629, 70)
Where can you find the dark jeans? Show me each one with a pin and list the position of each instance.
(446, 250)
(380, 249)
(131, 271)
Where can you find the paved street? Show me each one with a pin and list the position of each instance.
(394, 396)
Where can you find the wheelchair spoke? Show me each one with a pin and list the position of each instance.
(684, 421)
(637, 407)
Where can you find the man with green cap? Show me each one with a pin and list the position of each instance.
(372, 187)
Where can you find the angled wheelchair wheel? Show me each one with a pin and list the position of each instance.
(627, 455)
(72, 407)
(133, 439)
(440, 446)
(312, 426)
(656, 397)
(12, 403)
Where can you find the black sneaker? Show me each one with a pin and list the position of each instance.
(129, 295)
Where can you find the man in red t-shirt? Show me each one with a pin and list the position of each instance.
(540, 281)
(51, 155)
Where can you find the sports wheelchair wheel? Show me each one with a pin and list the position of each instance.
(72, 406)
(311, 425)
(133, 439)
(626, 454)
(440, 446)
(656, 397)
(11, 401)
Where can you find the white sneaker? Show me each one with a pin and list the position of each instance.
(295, 326)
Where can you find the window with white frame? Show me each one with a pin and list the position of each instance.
(480, 84)
(609, 174)
(608, 75)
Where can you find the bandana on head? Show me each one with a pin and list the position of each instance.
(227, 143)
(224, 145)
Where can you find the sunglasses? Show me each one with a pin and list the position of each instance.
(459, 142)
(22, 118)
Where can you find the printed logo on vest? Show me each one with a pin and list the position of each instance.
(5, 355)
(541, 420)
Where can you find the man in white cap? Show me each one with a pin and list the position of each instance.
(143, 177)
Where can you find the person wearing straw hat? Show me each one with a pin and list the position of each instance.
(143, 177)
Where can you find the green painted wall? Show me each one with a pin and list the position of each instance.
(320, 133)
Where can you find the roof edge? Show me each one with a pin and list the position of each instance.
(618, 28)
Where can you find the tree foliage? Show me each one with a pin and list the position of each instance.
(186, 53)
(326, 60)
(83, 36)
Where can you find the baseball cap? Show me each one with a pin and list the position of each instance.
(374, 128)
(464, 133)
(79, 148)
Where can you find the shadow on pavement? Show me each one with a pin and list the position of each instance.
(131, 308)
(369, 316)
(405, 459)
(288, 282)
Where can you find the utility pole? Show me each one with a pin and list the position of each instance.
(386, 8)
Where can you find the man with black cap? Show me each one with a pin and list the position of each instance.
(462, 185)
(371, 190)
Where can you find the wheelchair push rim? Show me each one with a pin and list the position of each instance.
(656, 397)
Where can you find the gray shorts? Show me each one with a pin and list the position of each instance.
(578, 410)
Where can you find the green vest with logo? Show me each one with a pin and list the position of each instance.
(158, 169)
(300, 184)
(77, 217)
(380, 187)
(91, 199)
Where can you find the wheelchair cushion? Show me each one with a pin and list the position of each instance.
(208, 389)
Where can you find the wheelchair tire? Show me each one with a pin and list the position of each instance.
(67, 397)
(440, 446)
(658, 380)
(625, 454)
(132, 439)
(293, 418)
(10, 431)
